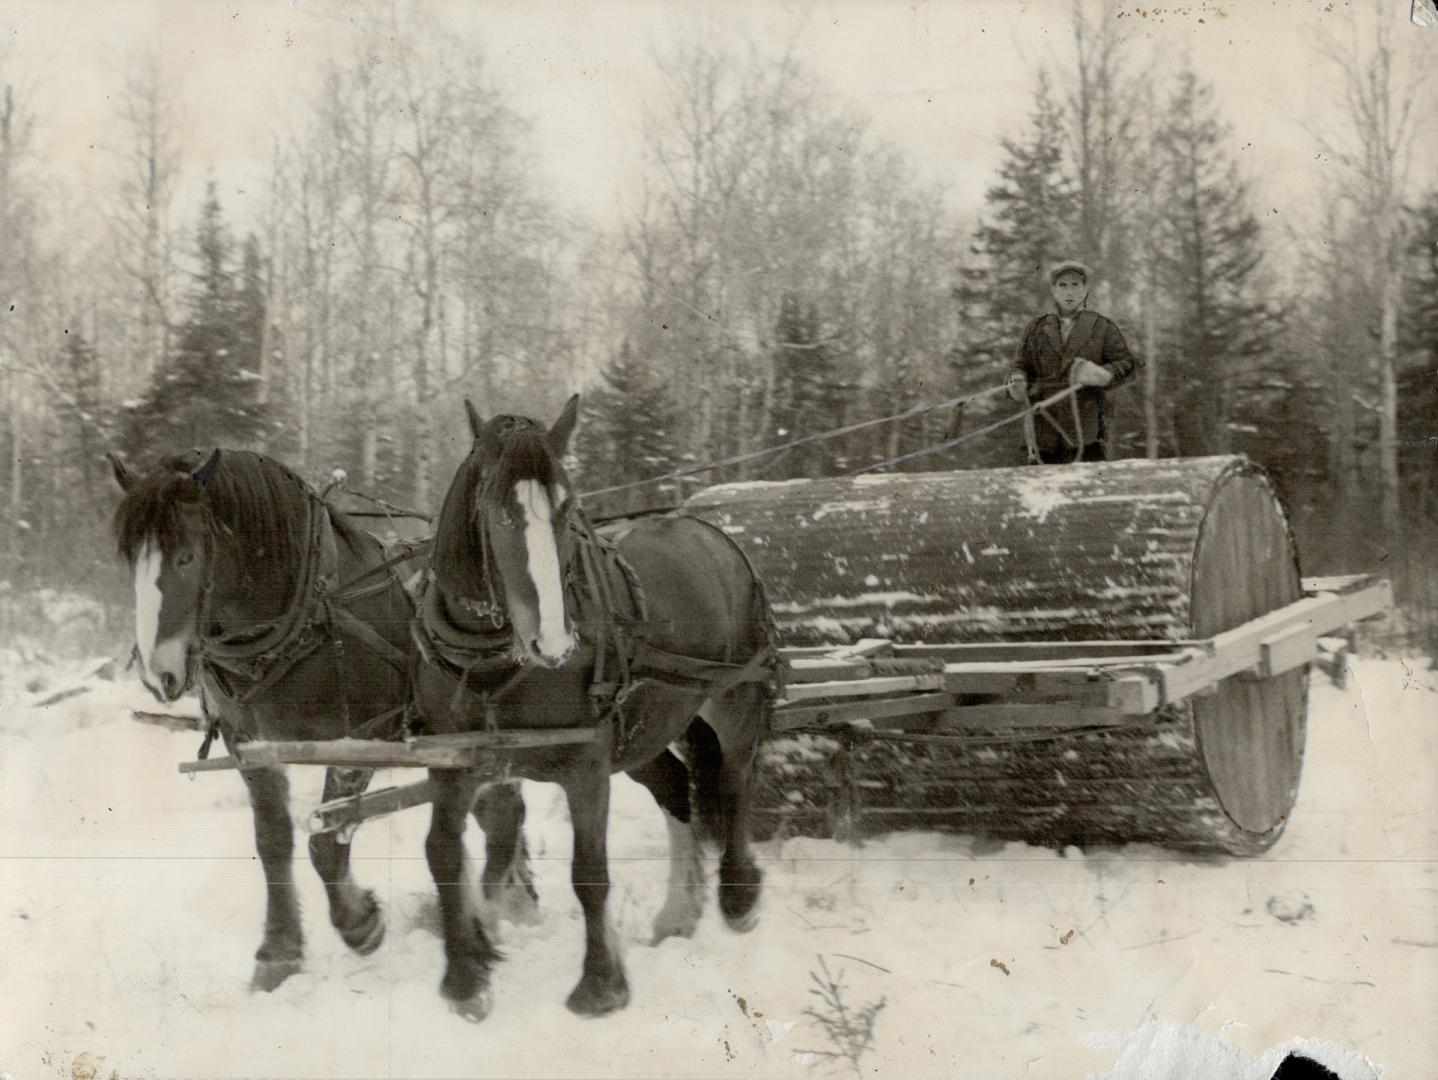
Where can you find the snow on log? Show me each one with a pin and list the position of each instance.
(1122, 551)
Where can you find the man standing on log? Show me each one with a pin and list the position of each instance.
(1069, 344)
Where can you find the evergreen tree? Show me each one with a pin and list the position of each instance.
(1418, 355)
(205, 392)
(1030, 224)
(71, 480)
(82, 410)
(249, 307)
(1418, 329)
(628, 433)
(1220, 331)
(808, 398)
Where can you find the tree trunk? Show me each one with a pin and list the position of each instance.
(1123, 551)
(1388, 404)
(17, 477)
(1150, 375)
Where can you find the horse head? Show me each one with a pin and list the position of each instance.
(216, 543)
(162, 530)
(512, 502)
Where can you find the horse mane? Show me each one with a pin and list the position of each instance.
(524, 455)
(251, 498)
(487, 477)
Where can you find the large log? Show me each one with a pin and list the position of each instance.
(1163, 551)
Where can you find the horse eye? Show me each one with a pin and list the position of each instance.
(185, 558)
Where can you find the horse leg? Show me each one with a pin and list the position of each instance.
(281, 952)
(731, 736)
(467, 951)
(507, 880)
(667, 779)
(602, 987)
(354, 912)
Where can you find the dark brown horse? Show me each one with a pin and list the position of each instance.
(659, 638)
(294, 627)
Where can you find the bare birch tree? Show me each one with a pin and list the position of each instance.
(1374, 152)
(139, 213)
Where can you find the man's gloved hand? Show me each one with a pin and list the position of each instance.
(1018, 388)
(1087, 373)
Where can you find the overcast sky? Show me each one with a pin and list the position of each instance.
(944, 80)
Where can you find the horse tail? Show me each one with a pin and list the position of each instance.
(705, 761)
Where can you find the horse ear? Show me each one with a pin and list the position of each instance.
(476, 425)
(123, 476)
(562, 433)
(202, 475)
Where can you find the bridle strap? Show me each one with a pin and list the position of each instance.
(264, 653)
(239, 646)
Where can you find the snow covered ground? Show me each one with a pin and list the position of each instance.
(131, 906)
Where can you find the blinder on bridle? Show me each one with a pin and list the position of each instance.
(202, 477)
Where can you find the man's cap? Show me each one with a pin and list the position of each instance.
(1066, 265)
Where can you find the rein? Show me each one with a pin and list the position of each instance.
(1031, 440)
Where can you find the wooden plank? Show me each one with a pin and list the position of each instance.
(1331, 657)
(1336, 583)
(1048, 652)
(882, 685)
(824, 669)
(214, 764)
(1037, 652)
(1286, 650)
(798, 652)
(909, 705)
(866, 647)
(835, 667)
(341, 814)
(1134, 691)
(168, 721)
(1239, 649)
(1029, 716)
(1135, 695)
(466, 750)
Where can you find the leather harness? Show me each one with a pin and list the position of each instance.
(262, 654)
(612, 612)
(600, 586)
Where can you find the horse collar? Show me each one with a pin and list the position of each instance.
(313, 581)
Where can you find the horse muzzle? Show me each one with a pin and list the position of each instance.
(546, 654)
(170, 673)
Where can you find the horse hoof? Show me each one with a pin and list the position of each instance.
(366, 935)
(475, 1007)
(740, 905)
(269, 974)
(743, 922)
(664, 933)
(366, 938)
(667, 926)
(598, 998)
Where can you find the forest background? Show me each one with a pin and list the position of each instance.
(775, 263)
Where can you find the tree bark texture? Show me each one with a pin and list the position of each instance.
(1145, 550)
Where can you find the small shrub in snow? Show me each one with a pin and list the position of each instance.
(848, 1030)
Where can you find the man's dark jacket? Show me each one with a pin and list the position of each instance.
(1044, 359)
